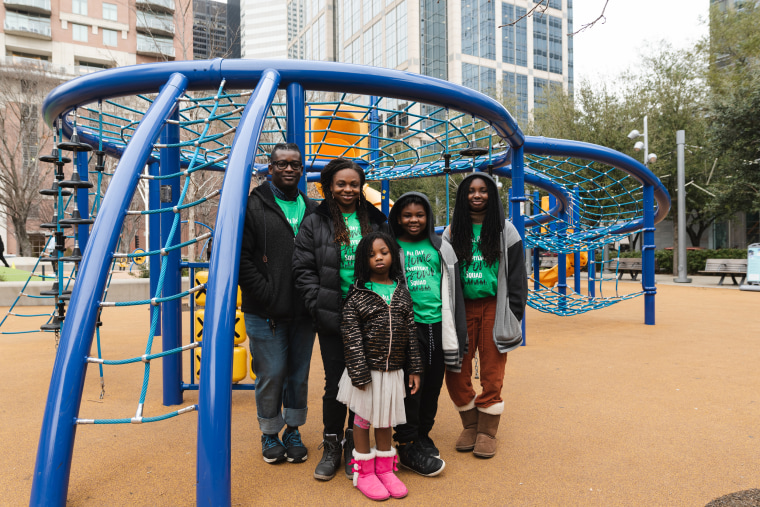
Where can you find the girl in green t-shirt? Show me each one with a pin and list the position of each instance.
(490, 253)
(380, 343)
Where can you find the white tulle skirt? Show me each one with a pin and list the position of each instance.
(381, 403)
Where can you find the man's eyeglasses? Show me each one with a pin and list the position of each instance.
(283, 164)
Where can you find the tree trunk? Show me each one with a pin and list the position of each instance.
(22, 238)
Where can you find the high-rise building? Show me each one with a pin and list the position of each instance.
(85, 35)
(216, 28)
(264, 28)
(492, 46)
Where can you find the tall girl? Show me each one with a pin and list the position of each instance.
(323, 269)
(380, 342)
(495, 284)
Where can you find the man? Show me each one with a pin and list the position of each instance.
(279, 328)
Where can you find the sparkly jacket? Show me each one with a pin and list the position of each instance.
(378, 336)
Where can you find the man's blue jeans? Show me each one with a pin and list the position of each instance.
(281, 361)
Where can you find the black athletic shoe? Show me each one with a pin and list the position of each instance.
(295, 449)
(272, 449)
(427, 446)
(412, 456)
(348, 453)
(330, 461)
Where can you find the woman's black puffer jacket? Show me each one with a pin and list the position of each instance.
(316, 266)
(377, 336)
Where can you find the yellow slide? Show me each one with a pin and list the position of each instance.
(549, 277)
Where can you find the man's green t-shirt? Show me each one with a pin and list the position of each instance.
(422, 264)
(478, 279)
(383, 290)
(293, 211)
(348, 252)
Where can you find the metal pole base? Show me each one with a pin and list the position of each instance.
(682, 280)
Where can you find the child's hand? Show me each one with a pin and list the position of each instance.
(414, 383)
(362, 387)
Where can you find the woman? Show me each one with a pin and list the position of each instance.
(495, 286)
(323, 268)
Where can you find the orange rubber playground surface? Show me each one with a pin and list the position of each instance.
(601, 410)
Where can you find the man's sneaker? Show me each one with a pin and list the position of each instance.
(428, 447)
(330, 461)
(412, 456)
(348, 453)
(272, 449)
(295, 449)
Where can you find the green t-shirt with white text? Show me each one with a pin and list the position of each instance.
(348, 252)
(478, 279)
(383, 290)
(293, 211)
(422, 265)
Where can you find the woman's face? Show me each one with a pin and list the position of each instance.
(477, 195)
(346, 187)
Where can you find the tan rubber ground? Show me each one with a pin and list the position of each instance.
(601, 410)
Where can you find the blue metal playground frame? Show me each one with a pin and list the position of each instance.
(53, 465)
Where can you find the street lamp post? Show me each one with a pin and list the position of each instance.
(648, 157)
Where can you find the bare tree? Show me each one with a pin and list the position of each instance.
(23, 136)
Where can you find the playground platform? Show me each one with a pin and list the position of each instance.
(602, 410)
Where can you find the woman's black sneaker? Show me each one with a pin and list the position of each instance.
(412, 456)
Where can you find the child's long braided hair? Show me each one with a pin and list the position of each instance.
(339, 225)
(461, 224)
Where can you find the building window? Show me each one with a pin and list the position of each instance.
(542, 91)
(540, 44)
(373, 49)
(109, 12)
(434, 57)
(395, 36)
(110, 38)
(479, 78)
(79, 7)
(514, 45)
(515, 90)
(479, 28)
(555, 45)
(554, 4)
(79, 32)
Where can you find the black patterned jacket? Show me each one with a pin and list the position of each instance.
(377, 336)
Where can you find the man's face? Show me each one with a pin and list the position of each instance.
(286, 170)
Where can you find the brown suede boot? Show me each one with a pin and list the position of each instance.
(485, 443)
(466, 440)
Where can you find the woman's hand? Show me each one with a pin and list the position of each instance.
(414, 383)
(363, 387)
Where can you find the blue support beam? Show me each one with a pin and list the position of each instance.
(53, 465)
(215, 393)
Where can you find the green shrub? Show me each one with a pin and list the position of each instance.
(695, 259)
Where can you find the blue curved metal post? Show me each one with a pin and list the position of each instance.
(215, 393)
(53, 465)
(577, 252)
(171, 311)
(296, 122)
(517, 197)
(647, 256)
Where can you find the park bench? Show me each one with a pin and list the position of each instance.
(630, 265)
(725, 267)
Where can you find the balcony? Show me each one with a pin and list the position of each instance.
(28, 26)
(153, 46)
(155, 24)
(36, 6)
(156, 5)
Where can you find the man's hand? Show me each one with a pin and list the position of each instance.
(414, 383)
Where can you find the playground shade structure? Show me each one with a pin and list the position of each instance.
(201, 116)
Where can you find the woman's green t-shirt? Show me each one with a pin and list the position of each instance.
(348, 252)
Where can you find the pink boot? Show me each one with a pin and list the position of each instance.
(385, 465)
(365, 478)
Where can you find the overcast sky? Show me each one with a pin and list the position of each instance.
(606, 49)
